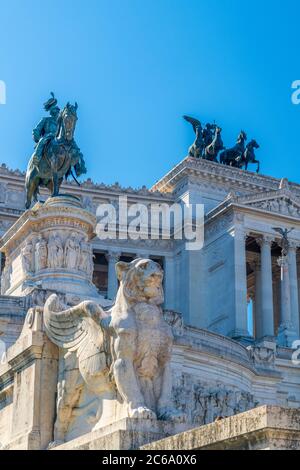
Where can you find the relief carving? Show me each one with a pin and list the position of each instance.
(27, 258)
(205, 403)
(40, 253)
(72, 251)
(55, 252)
(6, 277)
(281, 206)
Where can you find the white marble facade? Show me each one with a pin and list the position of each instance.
(237, 317)
(241, 246)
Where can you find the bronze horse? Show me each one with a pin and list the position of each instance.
(59, 156)
(249, 154)
(212, 150)
(234, 155)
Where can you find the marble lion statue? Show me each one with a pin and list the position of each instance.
(121, 356)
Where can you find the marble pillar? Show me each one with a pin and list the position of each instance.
(286, 331)
(294, 285)
(258, 309)
(0, 268)
(267, 309)
(241, 306)
(112, 282)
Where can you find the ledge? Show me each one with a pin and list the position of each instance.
(266, 427)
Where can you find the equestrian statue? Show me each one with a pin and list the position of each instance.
(233, 156)
(56, 153)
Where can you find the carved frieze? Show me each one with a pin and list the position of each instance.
(206, 402)
(175, 320)
(281, 206)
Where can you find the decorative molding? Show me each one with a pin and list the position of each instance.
(216, 172)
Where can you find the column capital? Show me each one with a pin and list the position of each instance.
(265, 240)
(113, 256)
(240, 233)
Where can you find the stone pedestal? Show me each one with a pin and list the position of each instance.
(124, 434)
(28, 381)
(49, 249)
(263, 428)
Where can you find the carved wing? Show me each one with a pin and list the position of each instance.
(279, 230)
(79, 329)
(192, 121)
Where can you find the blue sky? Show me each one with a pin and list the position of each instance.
(136, 66)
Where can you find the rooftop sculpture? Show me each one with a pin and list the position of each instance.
(208, 145)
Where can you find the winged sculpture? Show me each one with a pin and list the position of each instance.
(284, 242)
(197, 148)
(121, 356)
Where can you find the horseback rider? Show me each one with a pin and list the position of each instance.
(46, 128)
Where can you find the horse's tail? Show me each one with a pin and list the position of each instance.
(30, 167)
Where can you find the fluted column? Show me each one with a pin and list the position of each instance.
(241, 307)
(258, 316)
(0, 269)
(294, 285)
(112, 283)
(286, 332)
(169, 282)
(267, 309)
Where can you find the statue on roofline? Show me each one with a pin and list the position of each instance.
(208, 144)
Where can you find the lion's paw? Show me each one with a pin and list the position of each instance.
(143, 413)
(55, 443)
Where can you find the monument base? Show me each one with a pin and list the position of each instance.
(124, 434)
(263, 428)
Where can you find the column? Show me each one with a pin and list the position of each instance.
(169, 282)
(0, 269)
(178, 284)
(286, 331)
(112, 284)
(241, 305)
(294, 285)
(258, 316)
(267, 310)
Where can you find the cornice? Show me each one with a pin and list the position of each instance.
(205, 170)
(88, 186)
(250, 202)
